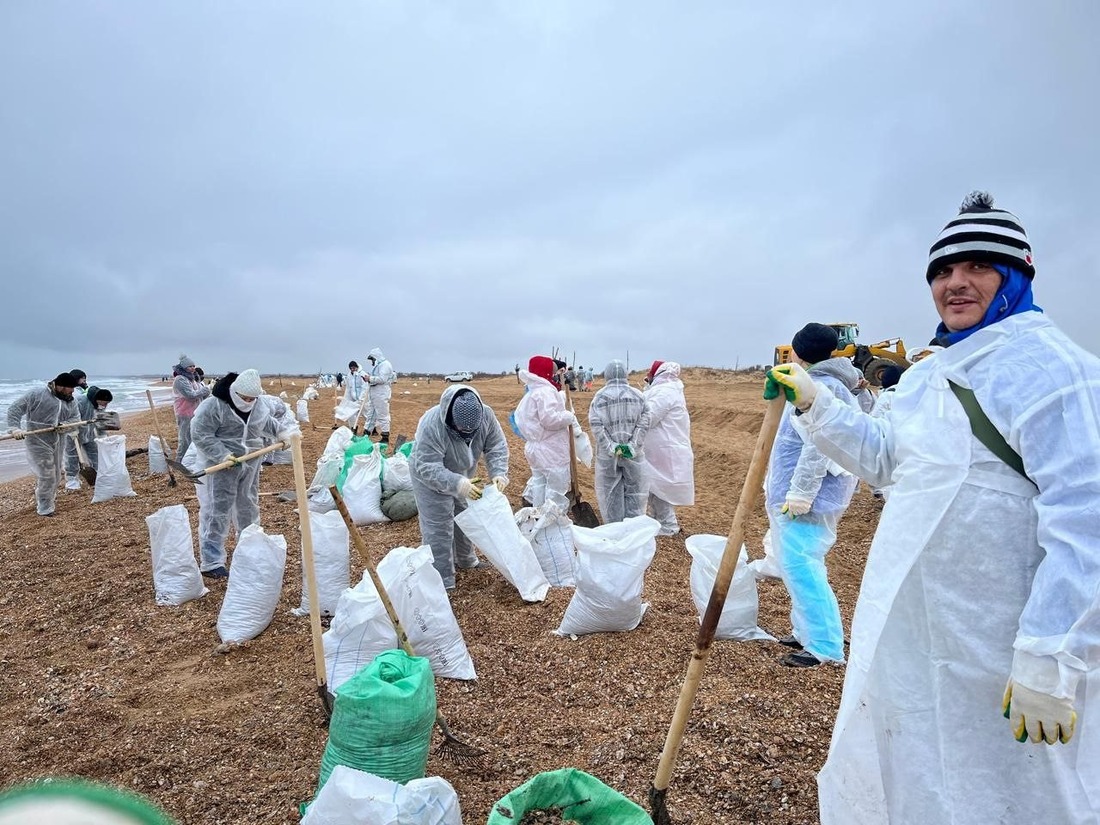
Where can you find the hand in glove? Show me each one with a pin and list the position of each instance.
(623, 451)
(792, 380)
(501, 483)
(18, 435)
(1038, 715)
(232, 459)
(285, 435)
(467, 488)
(795, 507)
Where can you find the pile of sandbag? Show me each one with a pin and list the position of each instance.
(398, 502)
(329, 467)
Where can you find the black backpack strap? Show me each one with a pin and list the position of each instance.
(984, 430)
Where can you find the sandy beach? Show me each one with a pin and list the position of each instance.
(100, 682)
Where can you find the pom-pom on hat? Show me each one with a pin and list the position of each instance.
(814, 343)
(248, 384)
(982, 233)
(185, 361)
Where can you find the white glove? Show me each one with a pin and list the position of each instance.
(285, 435)
(232, 459)
(501, 482)
(467, 488)
(18, 435)
(1038, 714)
(793, 380)
(795, 507)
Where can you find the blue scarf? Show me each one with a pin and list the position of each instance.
(1012, 298)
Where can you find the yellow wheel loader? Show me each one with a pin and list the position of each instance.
(868, 359)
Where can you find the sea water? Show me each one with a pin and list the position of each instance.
(129, 396)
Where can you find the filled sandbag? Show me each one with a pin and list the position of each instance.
(399, 505)
(176, 577)
(420, 599)
(331, 562)
(112, 477)
(352, 797)
(255, 583)
(550, 532)
(362, 490)
(301, 410)
(157, 464)
(383, 718)
(491, 526)
(360, 630)
(562, 790)
(738, 619)
(329, 466)
(611, 564)
(396, 475)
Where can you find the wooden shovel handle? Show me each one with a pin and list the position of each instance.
(572, 452)
(57, 429)
(270, 448)
(307, 560)
(156, 423)
(754, 478)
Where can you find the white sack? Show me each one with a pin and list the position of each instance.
(329, 466)
(550, 532)
(352, 797)
(396, 475)
(582, 446)
(176, 577)
(489, 524)
(157, 464)
(347, 411)
(360, 631)
(310, 394)
(331, 561)
(255, 583)
(301, 409)
(420, 599)
(767, 567)
(112, 477)
(611, 564)
(362, 491)
(738, 619)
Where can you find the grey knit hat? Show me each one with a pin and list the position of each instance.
(981, 233)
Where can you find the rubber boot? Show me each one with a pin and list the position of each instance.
(384, 444)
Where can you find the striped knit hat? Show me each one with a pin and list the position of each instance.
(982, 233)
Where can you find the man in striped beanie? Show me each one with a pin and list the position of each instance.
(975, 645)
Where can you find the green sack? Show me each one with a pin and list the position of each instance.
(406, 448)
(399, 505)
(360, 445)
(383, 718)
(595, 802)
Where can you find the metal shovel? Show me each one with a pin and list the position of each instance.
(225, 465)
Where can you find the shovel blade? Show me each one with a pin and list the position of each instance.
(178, 467)
(583, 515)
(89, 475)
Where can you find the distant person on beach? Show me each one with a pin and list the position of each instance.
(188, 391)
(49, 406)
(619, 422)
(451, 438)
(226, 426)
(89, 404)
(669, 460)
(354, 387)
(543, 422)
(381, 378)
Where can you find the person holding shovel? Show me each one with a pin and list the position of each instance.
(543, 422)
(46, 407)
(806, 496)
(451, 438)
(230, 424)
(188, 391)
(971, 692)
(620, 422)
(88, 404)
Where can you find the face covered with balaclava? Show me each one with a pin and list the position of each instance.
(465, 414)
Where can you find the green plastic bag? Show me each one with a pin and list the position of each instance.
(582, 796)
(360, 445)
(383, 718)
(406, 448)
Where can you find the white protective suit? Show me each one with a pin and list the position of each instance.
(669, 460)
(543, 421)
(381, 380)
(218, 430)
(41, 409)
(618, 415)
(440, 458)
(970, 562)
(355, 385)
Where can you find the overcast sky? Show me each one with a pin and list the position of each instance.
(465, 184)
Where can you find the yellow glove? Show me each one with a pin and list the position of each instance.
(467, 487)
(501, 483)
(793, 381)
(1038, 716)
(795, 507)
(232, 459)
